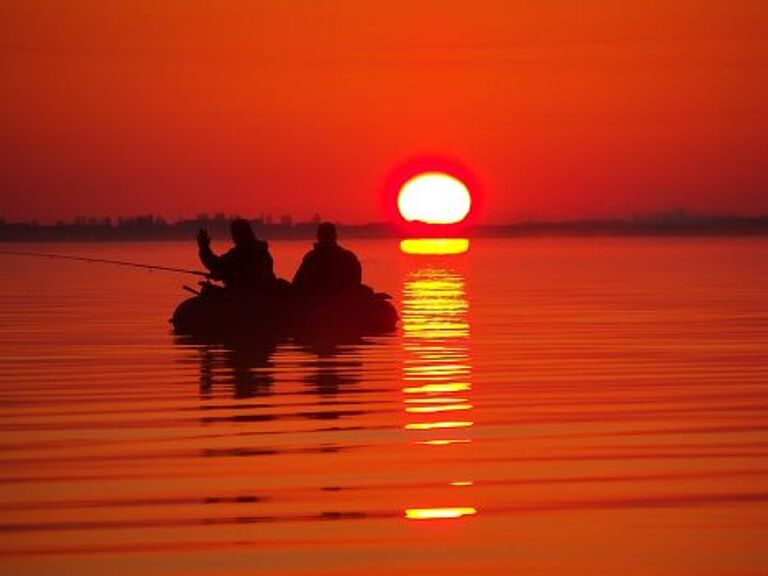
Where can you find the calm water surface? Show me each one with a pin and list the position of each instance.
(548, 406)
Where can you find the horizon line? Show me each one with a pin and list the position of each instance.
(287, 221)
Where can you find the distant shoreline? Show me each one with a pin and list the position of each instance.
(150, 228)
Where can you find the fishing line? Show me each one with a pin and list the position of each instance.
(106, 261)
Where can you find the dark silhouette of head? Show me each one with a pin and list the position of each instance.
(326, 233)
(241, 231)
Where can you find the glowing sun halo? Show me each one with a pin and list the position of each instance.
(434, 198)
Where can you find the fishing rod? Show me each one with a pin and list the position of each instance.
(106, 261)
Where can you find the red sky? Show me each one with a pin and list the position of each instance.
(558, 108)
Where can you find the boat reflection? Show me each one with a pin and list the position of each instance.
(246, 368)
(437, 365)
(251, 368)
(332, 367)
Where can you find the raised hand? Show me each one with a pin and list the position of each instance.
(203, 238)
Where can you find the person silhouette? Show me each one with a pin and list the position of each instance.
(328, 268)
(247, 267)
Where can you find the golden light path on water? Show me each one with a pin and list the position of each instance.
(437, 362)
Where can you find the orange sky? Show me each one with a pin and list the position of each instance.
(558, 108)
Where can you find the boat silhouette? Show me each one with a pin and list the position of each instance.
(284, 313)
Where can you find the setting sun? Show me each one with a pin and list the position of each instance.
(434, 198)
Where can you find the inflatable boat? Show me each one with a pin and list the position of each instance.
(222, 312)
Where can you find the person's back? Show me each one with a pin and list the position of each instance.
(328, 268)
(247, 267)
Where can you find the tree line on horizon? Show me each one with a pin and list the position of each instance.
(152, 227)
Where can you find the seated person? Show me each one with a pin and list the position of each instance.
(247, 267)
(328, 268)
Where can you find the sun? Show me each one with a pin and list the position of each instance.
(434, 198)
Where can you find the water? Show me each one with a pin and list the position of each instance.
(549, 406)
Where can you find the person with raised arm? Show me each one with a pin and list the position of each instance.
(247, 267)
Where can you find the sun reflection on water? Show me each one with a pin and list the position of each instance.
(434, 245)
(437, 371)
(439, 513)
